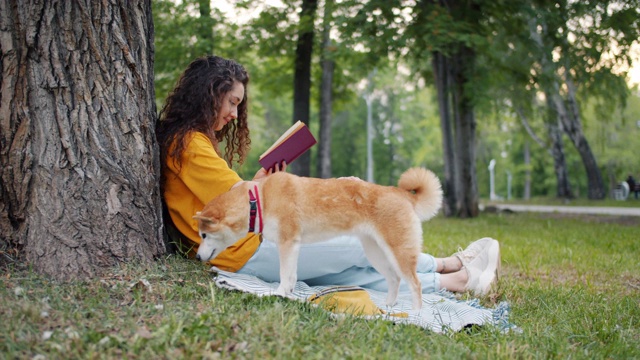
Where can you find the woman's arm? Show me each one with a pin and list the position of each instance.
(263, 173)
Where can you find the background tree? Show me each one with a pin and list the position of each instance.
(79, 188)
(450, 32)
(367, 34)
(326, 94)
(302, 77)
(183, 31)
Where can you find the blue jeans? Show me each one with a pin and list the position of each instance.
(339, 261)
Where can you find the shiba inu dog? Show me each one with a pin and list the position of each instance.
(291, 210)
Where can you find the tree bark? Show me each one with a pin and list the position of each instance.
(79, 190)
(442, 81)
(302, 79)
(205, 43)
(549, 85)
(572, 126)
(554, 127)
(465, 142)
(554, 131)
(452, 74)
(328, 65)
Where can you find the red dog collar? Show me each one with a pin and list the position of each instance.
(255, 209)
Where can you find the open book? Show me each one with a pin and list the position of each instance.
(293, 143)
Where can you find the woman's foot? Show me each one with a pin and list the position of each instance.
(483, 270)
(473, 250)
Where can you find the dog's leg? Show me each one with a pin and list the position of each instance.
(288, 250)
(407, 259)
(408, 262)
(408, 269)
(381, 261)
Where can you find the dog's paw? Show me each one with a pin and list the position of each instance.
(391, 300)
(390, 304)
(285, 292)
(280, 291)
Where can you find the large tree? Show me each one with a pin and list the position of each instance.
(327, 64)
(302, 77)
(79, 166)
(441, 39)
(450, 32)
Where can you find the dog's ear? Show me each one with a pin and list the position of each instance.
(204, 219)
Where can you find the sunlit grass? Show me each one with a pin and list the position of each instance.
(573, 286)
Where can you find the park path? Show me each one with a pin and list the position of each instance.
(591, 210)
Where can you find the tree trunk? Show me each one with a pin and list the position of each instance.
(465, 126)
(302, 79)
(79, 189)
(554, 126)
(563, 187)
(549, 85)
(572, 126)
(442, 81)
(328, 64)
(205, 41)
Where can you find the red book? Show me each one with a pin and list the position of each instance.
(293, 143)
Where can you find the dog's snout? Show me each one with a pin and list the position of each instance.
(197, 257)
(203, 236)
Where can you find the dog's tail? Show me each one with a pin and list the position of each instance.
(426, 190)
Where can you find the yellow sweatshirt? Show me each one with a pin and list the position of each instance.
(203, 176)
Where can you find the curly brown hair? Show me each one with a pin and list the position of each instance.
(193, 105)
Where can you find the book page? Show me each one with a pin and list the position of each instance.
(295, 127)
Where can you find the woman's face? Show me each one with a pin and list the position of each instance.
(229, 108)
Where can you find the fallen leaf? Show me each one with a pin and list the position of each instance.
(142, 284)
(105, 340)
(144, 333)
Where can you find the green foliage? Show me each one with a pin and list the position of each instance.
(182, 33)
(407, 131)
(615, 138)
(396, 36)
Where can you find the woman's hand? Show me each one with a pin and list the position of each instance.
(263, 173)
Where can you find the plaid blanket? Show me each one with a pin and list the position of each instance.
(441, 312)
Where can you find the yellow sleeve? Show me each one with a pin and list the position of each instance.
(203, 172)
(203, 176)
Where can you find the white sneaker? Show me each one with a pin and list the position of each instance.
(469, 254)
(483, 270)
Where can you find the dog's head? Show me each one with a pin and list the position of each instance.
(221, 223)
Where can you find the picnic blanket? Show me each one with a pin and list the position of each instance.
(441, 312)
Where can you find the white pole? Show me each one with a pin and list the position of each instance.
(368, 97)
(508, 184)
(492, 192)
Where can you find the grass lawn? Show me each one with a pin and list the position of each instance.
(573, 286)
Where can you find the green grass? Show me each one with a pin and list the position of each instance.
(573, 286)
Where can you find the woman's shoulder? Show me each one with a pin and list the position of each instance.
(197, 136)
(197, 140)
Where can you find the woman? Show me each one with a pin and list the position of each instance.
(207, 108)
